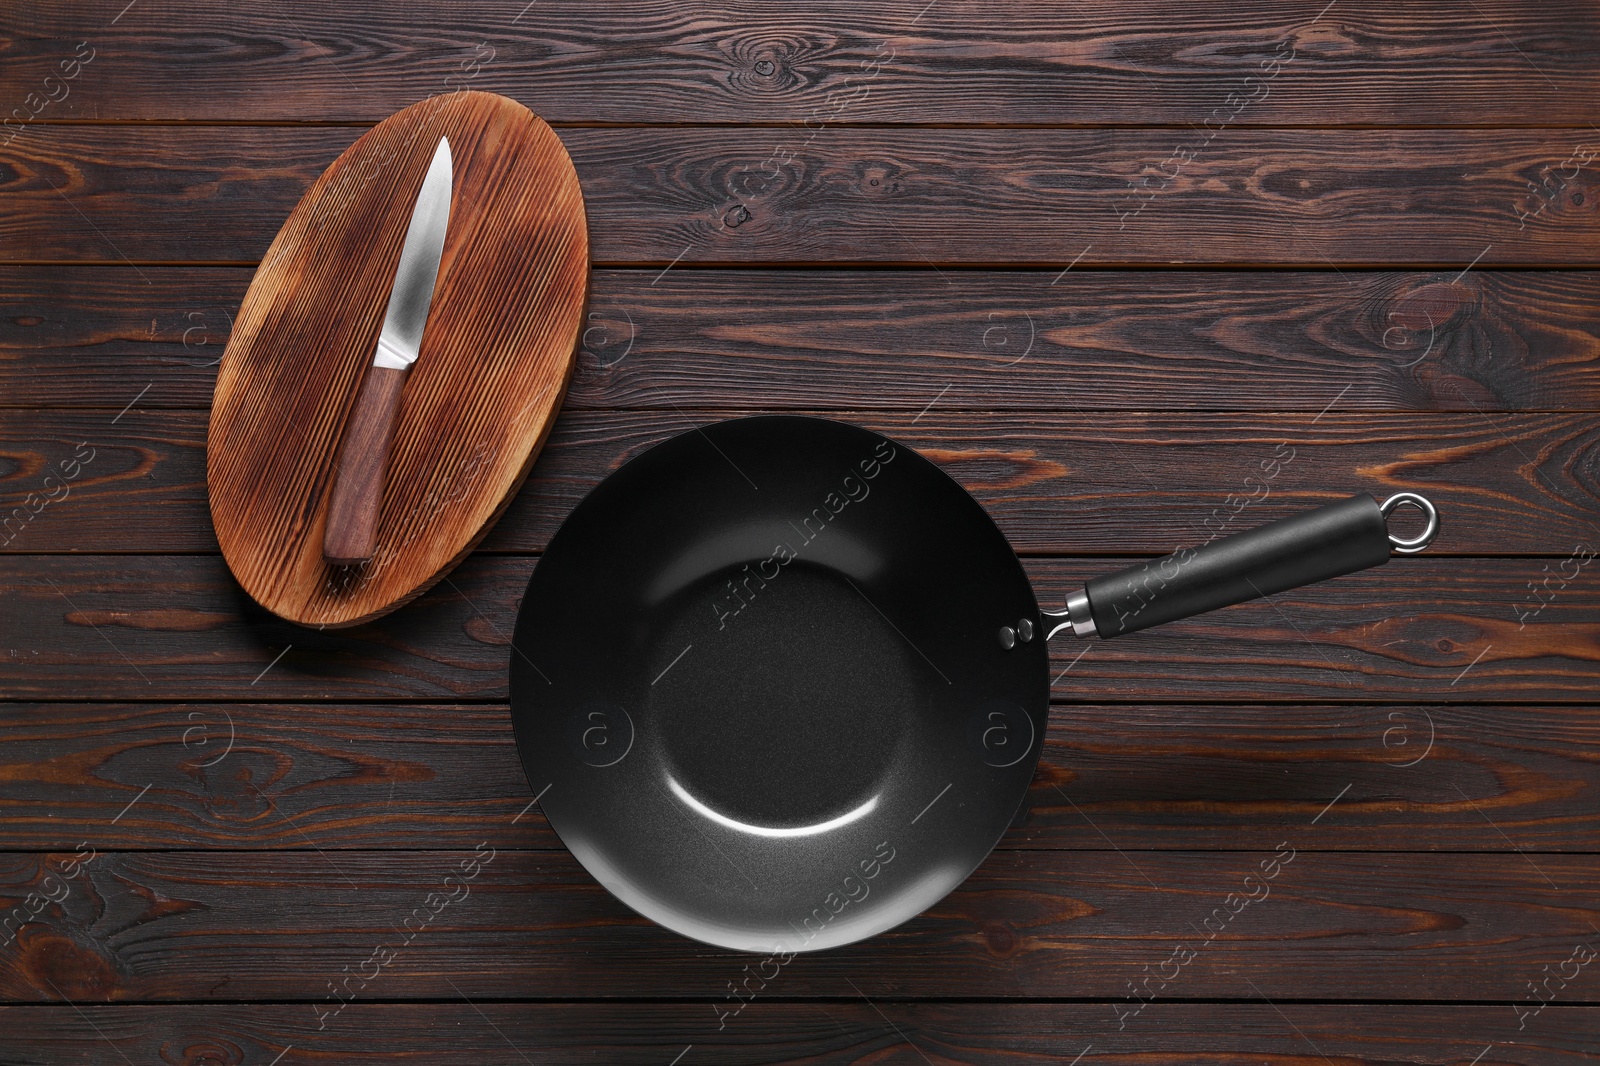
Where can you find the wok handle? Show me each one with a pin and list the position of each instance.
(1340, 538)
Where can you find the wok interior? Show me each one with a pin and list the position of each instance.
(791, 715)
(759, 664)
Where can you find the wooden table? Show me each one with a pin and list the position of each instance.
(1102, 261)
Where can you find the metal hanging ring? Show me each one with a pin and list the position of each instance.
(1412, 545)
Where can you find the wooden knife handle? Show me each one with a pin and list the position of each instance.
(357, 497)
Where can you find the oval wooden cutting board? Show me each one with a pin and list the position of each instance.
(495, 359)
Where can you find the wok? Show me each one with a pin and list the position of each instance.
(780, 683)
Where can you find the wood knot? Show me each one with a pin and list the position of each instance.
(211, 1053)
(764, 63)
(1439, 302)
(1415, 324)
(880, 179)
(485, 632)
(53, 962)
(1000, 941)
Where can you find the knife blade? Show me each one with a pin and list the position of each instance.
(356, 498)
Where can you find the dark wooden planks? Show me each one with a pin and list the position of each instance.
(264, 776)
(1153, 776)
(96, 336)
(1364, 62)
(906, 197)
(85, 336)
(1150, 775)
(1057, 483)
(823, 1034)
(1434, 630)
(172, 627)
(1329, 926)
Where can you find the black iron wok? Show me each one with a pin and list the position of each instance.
(781, 684)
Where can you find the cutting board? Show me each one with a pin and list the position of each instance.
(495, 360)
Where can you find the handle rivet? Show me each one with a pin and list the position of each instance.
(1025, 630)
(1008, 638)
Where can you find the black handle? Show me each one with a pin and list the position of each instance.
(1340, 538)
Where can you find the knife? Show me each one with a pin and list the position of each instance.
(357, 495)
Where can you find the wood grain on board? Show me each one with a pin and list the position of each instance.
(257, 776)
(101, 336)
(1421, 629)
(1364, 62)
(188, 926)
(483, 392)
(907, 197)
